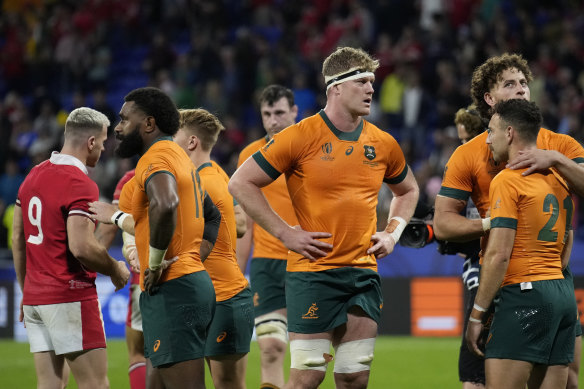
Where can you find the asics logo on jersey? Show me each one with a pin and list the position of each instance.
(156, 345)
(221, 337)
(349, 150)
(369, 152)
(311, 314)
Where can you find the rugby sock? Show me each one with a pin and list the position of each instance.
(267, 385)
(137, 373)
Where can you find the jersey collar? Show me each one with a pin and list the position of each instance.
(204, 165)
(350, 136)
(66, 159)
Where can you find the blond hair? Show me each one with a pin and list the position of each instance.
(344, 59)
(203, 124)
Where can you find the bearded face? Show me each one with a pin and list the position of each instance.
(131, 144)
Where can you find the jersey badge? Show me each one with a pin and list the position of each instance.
(369, 152)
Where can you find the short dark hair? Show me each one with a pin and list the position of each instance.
(273, 93)
(156, 103)
(486, 76)
(524, 116)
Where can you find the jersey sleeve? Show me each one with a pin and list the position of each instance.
(126, 195)
(155, 161)
(457, 182)
(397, 168)
(503, 200)
(280, 153)
(80, 194)
(571, 148)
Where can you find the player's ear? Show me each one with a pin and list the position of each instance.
(91, 142)
(489, 99)
(193, 142)
(150, 124)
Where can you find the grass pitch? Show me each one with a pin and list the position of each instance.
(400, 363)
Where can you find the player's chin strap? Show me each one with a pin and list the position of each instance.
(351, 74)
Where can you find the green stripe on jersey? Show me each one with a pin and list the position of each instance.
(458, 194)
(504, 222)
(398, 179)
(265, 165)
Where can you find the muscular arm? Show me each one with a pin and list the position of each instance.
(240, 221)
(245, 187)
(106, 233)
(403, 205)
(18, 246)
(538, 159)
(450, 225)
(90, 253)
(493, 271)
(567, 249)
(163, 197)
(243, 248)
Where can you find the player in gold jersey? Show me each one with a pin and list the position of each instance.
(268, 265)
(533, 330)
(173, 218)
(335, 163)
(471, 167)
(231, 329)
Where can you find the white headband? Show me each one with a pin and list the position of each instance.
(351, 74)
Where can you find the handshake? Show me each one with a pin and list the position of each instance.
(419, 233)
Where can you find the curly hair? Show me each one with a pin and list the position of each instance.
(489, 73)
(471, 120)
(203, 124)
(154, 102)
(345, 58)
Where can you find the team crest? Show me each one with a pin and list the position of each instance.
(369, 152)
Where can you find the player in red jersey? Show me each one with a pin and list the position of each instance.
(56, 256)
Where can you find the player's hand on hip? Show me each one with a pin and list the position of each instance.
(307, 243)
(383, 244)
(472, 336)
(167, 262)
(534, 160)
(102, 212)
(121, 275)
(151, 278)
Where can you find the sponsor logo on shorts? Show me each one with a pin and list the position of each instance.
(311, 314)
(156, 345)
(221, 337)
(256, 299)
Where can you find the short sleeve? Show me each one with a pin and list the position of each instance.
(503, 200)
(126, 195)
(397, 168)
(81, 192)
(155, 161)
(280, 153)
(457, 181)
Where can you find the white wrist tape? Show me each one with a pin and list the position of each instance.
(155, 257)
(473, 320)
(486, 224)
(479, 308)
(118, 218)
(396, 233)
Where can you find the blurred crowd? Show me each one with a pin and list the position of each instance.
(59, 55)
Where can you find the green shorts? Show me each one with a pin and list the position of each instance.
(319, 301)
(267, 277)
(536, 325)
(232, 326)
(176, 317)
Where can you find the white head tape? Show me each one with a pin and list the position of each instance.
(351, 74)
